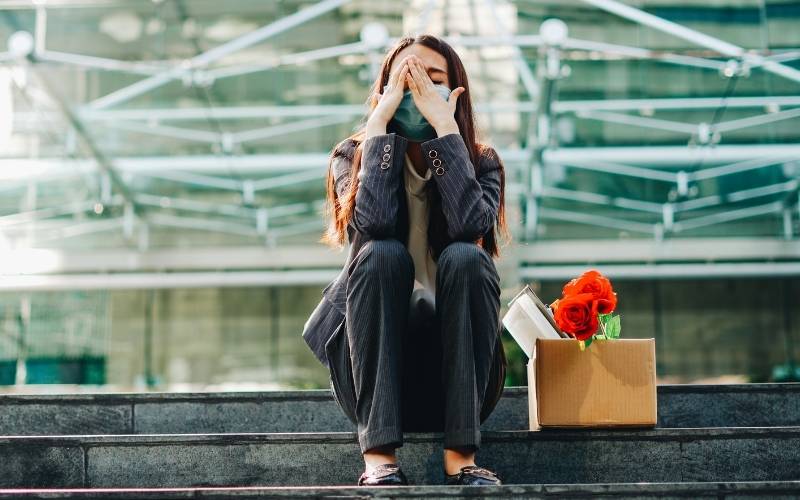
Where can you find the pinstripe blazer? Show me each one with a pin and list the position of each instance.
(469, 205)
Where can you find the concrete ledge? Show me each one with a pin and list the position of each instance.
(679, 405)
(519, 457)
(711, 490)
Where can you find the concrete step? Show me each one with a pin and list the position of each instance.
(697, 490)
(306, 459)
(679, 405)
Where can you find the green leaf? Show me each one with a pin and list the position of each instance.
(614, 327)
(588, 341)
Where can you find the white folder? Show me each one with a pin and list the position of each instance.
(529, 318)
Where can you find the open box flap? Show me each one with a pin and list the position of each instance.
(533, 407)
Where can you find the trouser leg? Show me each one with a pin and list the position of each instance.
(378, 291)
(423, 394)
(468, 308)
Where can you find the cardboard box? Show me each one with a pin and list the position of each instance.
(612, 383)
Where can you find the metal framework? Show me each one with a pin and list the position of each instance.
(244, 182)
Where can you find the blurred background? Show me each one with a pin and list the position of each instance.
(162, 167)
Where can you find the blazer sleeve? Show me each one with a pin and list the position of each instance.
(469, 203)
(379, 177)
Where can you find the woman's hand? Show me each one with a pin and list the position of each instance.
(392, 95)
(439, 113)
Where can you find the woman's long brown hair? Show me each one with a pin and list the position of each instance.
(339, 212)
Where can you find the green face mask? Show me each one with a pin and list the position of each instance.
(409, 122)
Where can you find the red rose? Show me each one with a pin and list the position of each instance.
(577, 315)
(596, 284)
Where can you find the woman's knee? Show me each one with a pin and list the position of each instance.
(464, 257)
(385, 257)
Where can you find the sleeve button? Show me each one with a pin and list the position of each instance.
(384, 165)
(432, 153)
(386, 148)
(437, 162)
(439, 170)
(386, 157)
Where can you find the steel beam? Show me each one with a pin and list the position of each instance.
(666, 271)
(693, 36)
(309, 256)
(736, 196)
(206, 58)
(166, 131)
(287, 128)
(601, 199)
(656, 157)
(259, 112)
(101, 161)
(80, 229)
(727, 216)
(674, 156)
(33, 216)
(625, 170)
(639, 121)
(525, 73)
(676, 103)
(640, 53)
(148, 281)
(289, 59)
(596, 220)
(644, 250)
(354, 110)
(136, 67)
(753, 121)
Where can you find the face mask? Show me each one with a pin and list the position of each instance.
(409, 122)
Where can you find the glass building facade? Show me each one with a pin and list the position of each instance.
(162, 169)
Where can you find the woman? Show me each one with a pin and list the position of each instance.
(410, 329)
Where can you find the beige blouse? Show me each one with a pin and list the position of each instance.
(424, 266)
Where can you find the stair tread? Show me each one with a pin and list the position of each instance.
(279, 459)
(695, 488)
(679, 406)
(670, 433)
(325, 394)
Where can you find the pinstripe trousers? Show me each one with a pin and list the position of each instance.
(415, 367)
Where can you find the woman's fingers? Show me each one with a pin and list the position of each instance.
(396, 81)
(402, 67)
(401, 77)
(413, 76)
(416, 70)
(424, 79)
(412, 84)
(398, 78)
(452, 101)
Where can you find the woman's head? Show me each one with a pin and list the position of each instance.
(444, 67)
(434, 61)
